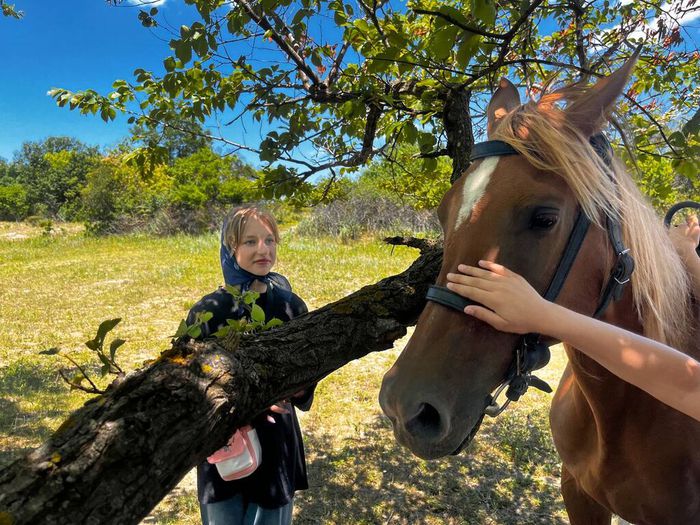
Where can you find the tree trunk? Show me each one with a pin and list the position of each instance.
(458, 128)
(115, 458)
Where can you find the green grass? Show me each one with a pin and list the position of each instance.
(57, 289)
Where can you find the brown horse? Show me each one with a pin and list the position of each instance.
(622, 451)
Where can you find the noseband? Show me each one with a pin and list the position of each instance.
(531, 353)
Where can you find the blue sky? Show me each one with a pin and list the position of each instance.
(75, 45)
(84, 44)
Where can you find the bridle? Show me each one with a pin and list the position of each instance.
(531, 353)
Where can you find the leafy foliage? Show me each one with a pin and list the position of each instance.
(395, 73)
(175, 140)
(404, 179)
(252, 321)
(52, 172)
(14, 205)
(9, 10)
(107, 358)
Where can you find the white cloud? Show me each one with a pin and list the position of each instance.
(670, 16)
(146, 3)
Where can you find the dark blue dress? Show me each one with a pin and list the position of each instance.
(283, 467)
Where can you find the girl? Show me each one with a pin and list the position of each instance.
(248, 251)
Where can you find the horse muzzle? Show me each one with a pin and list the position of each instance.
(424, 424)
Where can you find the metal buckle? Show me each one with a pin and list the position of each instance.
(494, 408)
(618, 281)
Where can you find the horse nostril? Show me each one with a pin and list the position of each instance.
(426, 423)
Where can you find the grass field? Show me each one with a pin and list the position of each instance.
(55, 290)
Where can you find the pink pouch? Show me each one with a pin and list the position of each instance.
(240, 457)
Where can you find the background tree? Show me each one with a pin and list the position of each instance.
(170, 141)
(52, 172)
(334, 85)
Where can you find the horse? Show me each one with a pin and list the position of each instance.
(546, 197)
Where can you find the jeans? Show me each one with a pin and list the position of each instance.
(237, 511)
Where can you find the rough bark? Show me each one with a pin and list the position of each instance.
(458, 129)
(115, 458)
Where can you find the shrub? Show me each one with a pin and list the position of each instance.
(368, 215)
(14, 205)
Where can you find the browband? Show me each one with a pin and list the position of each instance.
(491, 148)
(497, 148)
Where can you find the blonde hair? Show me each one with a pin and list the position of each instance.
(237, 219)
(543, 134)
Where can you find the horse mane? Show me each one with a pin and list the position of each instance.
(542, 133)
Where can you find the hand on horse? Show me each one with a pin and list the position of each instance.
(512, 305)
(685, 238)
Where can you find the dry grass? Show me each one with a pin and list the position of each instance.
(55, 291)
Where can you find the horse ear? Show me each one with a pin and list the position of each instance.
(589, 113)
(504, 100)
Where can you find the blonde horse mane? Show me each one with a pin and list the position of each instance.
(543, 134)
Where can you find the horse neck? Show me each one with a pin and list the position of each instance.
(595, 381)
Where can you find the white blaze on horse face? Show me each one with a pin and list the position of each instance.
(474, 188)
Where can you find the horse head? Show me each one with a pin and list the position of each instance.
(518, 210)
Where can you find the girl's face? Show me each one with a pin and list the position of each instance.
(257, 250)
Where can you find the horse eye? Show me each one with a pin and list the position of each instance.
(543, 220)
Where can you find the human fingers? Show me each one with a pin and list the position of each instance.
(474, 271)
(492, 318)
(468, 280)
(493, 267)
(277, 408)
(474, 293)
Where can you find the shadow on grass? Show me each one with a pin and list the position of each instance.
(29, 395)
(371, 479)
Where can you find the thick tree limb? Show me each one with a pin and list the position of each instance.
(115, 458)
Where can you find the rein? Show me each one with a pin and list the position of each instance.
(531, 353)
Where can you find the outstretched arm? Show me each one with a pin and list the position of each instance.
(512, 305)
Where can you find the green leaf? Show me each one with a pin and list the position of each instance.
(467, 49)
(92, 344)
(410, 132)
(456, 14)
(169, 63)
(114, 345)
(443, 41)
(222, 332)
(235, 291)
(272, 323)
(203, 317)
(105, 327)
(430, 164)
(183, 51)
(194, 331)
(105, 369)
(250, 297)
(484, 10)
(257, 314)
(181, 329)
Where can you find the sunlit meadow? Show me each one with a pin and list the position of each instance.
(56, 289)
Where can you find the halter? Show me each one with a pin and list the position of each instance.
(531, 353)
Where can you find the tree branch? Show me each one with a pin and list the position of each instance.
(113, 459)
(461, 25)
(280, 41)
